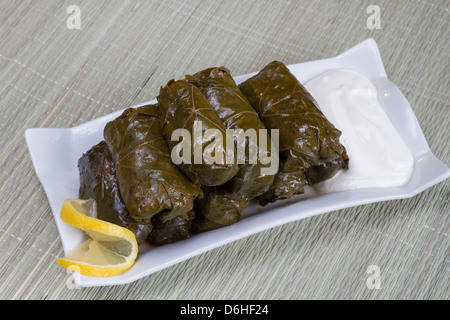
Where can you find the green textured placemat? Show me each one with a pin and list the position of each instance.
(53, 76)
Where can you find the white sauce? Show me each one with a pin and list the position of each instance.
(378, 155)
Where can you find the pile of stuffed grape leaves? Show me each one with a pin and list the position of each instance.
(136, 182)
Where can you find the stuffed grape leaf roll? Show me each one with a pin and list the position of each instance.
(183, 106)
(149, 182)
(98, 181)
(309, 143)
(223, 205)
(176, 229)
(217, 209)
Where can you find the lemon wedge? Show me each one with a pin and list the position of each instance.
(110, 249)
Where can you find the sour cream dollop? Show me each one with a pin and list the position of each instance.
(378, 155)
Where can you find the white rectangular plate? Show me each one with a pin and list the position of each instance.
(55, 154)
